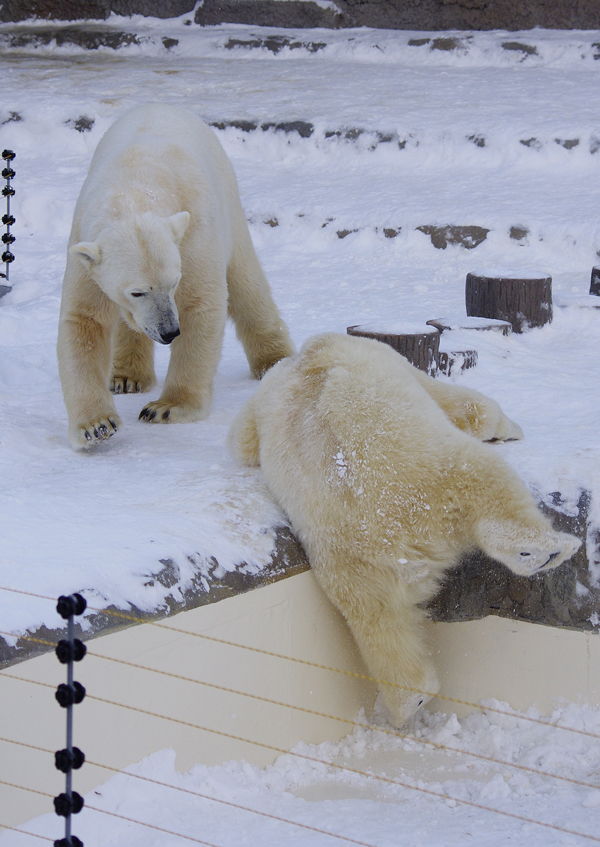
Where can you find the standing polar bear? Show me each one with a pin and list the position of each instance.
(385, 492)
(159, 251)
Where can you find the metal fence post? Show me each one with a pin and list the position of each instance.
(8, 219)
(71, 758)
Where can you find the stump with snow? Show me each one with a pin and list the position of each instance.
(522, 298)
(418, 343)
(595, 282)
(472, 323)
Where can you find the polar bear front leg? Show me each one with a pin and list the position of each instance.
(393, 643)
(195, 353)
(84, 348)
(133, 362)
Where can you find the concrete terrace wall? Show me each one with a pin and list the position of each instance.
(387, 14)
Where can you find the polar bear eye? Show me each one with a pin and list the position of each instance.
(525, 554)
(138, 293)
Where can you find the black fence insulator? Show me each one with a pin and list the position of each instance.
(8, 191)
(8, 155)
(7, 238)
(66, 805)
(8, 173)
(68, 651)
(7, 258)
(70, 695)
(67, 760)
(74, 604)
(8, 220)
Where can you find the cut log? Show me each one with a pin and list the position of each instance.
(522, 298)
(595, 282)
(418, 343)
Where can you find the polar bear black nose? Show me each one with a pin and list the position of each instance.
(167, 337)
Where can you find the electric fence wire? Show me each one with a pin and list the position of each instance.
(282, 751)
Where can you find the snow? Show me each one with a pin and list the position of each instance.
(395, 135)
(374, 787)
(396, 328)
(511, 273)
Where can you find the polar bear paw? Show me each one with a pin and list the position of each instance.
(402, 703)
(526, 550)
(160, 411)
(122, 384)
(85, 435)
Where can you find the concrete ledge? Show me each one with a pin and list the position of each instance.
(288, 560)
(567, 597)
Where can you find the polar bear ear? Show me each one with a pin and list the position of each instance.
(178, 224)
(88, 252)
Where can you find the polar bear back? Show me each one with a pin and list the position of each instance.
(172, 158)
(161, 125)
(376, 453)
(367, 464)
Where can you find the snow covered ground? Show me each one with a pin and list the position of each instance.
(394, 131)
(372, 789)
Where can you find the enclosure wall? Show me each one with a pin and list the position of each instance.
(521, 663)
(389, 14)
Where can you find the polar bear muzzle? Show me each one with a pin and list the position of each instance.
(155, 314)
(167, 337)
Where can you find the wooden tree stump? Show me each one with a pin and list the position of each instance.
(523, 301)
(418, 343)
(595, 282)
(450, 361)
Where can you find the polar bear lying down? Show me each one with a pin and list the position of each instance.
(366, 456)
(159, 251)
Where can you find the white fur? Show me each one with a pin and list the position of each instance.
(385, 493)
(159, 251)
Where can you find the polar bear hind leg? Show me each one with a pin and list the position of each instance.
(258, 324)
(133, 361)
(470, 410)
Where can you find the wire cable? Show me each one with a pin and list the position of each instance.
(197, 794)
(354, 674)
(24, 832)
(104, 812)
(280, 750)
(391, 732)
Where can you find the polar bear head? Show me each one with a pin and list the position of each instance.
(136, 263)
(525, 549)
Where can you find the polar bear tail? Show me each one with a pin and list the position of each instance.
(243, 441)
